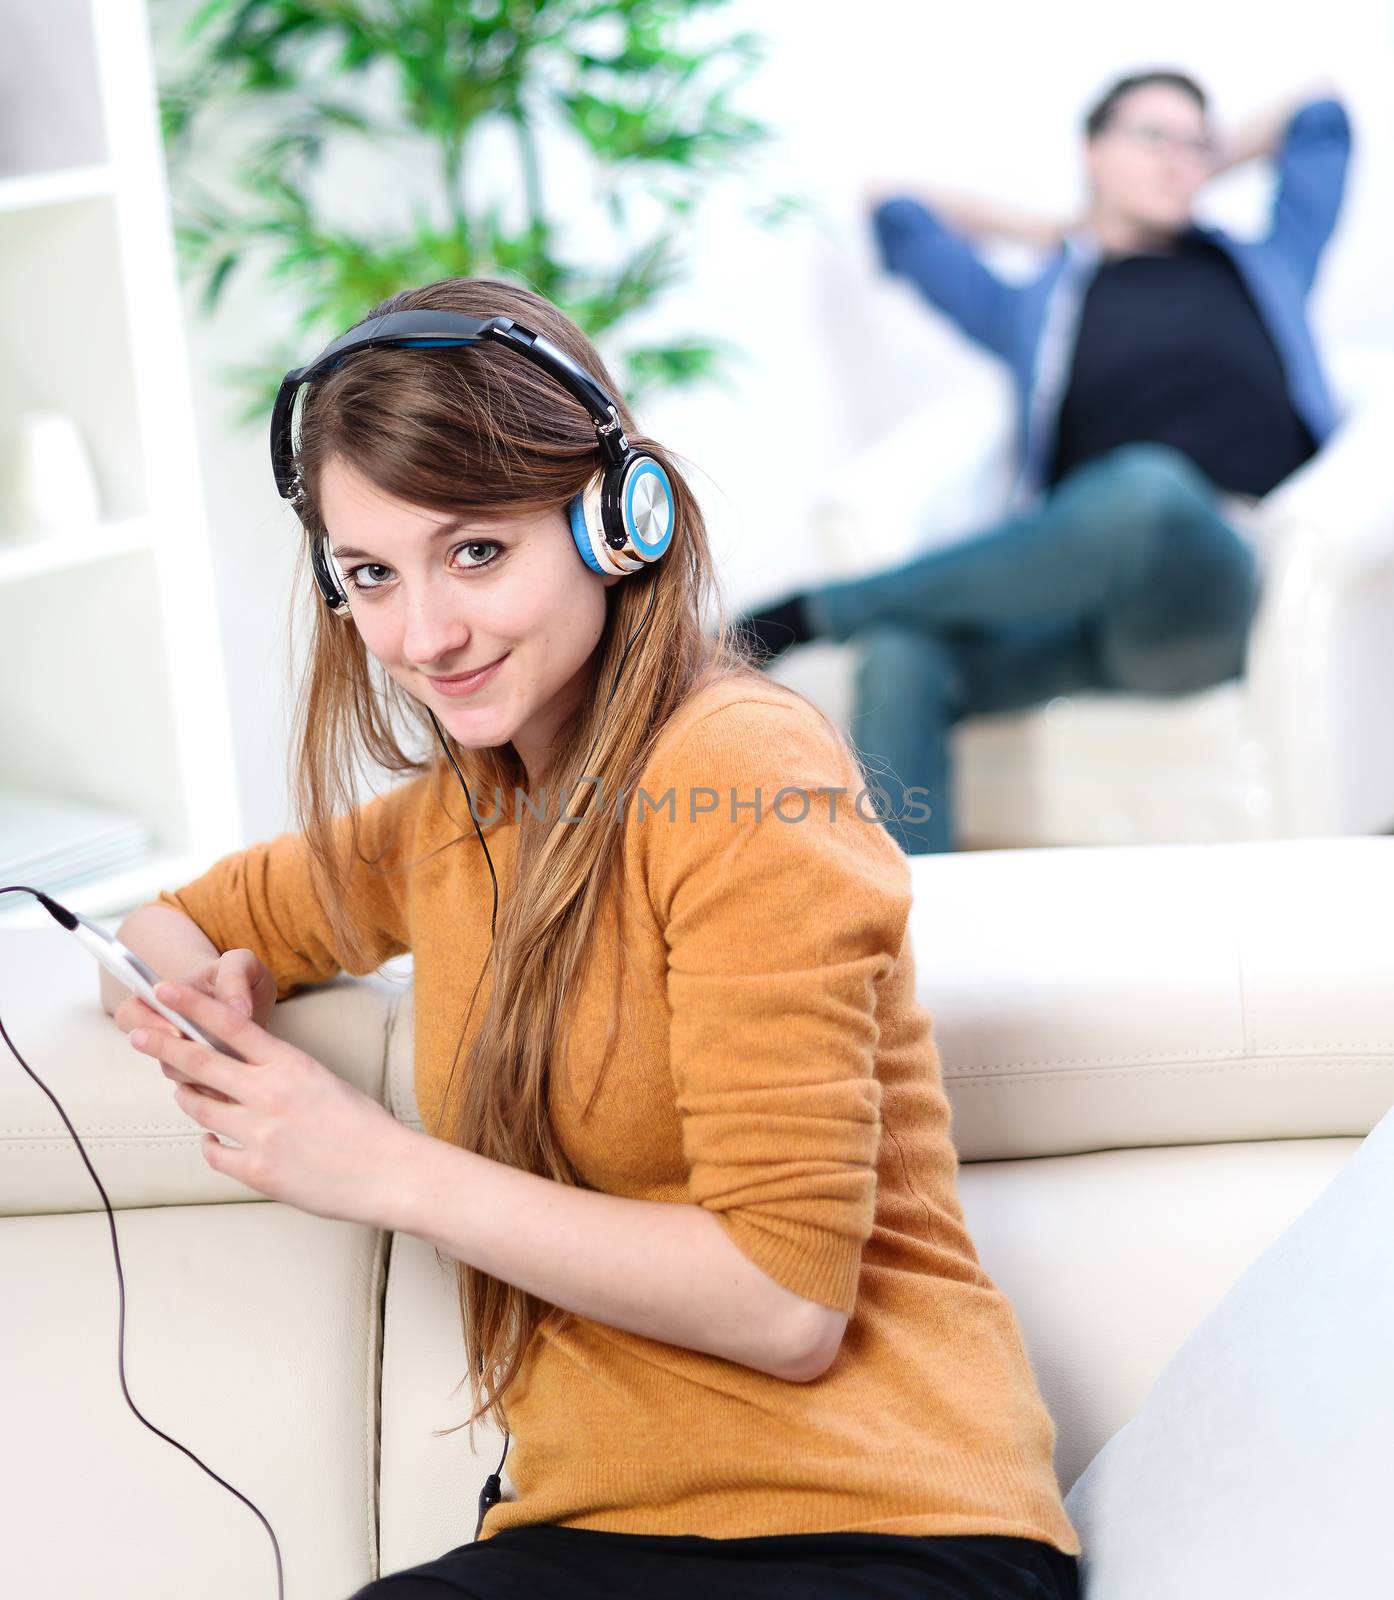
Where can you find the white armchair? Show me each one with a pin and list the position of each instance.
(1302, 744)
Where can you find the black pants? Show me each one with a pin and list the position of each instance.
(545, 1562)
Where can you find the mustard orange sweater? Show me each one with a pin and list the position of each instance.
(774, 1067)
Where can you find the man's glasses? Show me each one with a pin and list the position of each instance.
(1197, 147)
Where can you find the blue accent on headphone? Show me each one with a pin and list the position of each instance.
(576, 518)
(331, 365)
(649, 468)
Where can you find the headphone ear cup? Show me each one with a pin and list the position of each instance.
(637, 511)
(588, 533)
(592, 520)
(622, 521)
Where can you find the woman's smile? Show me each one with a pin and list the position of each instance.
(467, 682)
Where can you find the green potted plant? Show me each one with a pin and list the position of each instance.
(457, 109)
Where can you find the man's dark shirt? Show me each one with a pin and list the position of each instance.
(1171, 350)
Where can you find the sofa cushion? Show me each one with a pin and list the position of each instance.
(1260, 1464)
(251, 1338)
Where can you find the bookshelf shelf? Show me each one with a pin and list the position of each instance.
(113, 703)
(54, 552)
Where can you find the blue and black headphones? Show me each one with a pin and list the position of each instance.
(621, 522)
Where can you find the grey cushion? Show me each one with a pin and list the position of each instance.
(1262, 1462)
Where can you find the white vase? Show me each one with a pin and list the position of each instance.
(50, 485)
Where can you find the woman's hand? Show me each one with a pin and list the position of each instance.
(237, 977)
(308, 1138)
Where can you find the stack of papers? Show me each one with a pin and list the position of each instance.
(51, 843)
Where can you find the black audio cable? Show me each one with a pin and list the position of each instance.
(492, 1492)
(65, 918)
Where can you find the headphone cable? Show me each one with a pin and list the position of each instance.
(491, 1493)
(23, 888)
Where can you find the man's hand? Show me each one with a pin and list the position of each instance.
(1261, 135)
(971, 215)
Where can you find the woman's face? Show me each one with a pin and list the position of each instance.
(436, 600)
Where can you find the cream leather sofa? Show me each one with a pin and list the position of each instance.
(1158, 1056)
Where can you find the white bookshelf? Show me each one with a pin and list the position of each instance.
(112, 689)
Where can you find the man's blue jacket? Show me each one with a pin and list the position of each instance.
(1032, 326)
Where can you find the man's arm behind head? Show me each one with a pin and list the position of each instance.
(1308, 135)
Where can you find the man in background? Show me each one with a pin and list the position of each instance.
(1166, 378)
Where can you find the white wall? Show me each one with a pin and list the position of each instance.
(986, 97)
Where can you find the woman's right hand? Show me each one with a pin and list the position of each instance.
(237, 977)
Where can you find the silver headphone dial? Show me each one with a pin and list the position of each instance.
(652, 509)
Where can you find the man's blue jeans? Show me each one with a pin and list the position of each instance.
(1126, 577)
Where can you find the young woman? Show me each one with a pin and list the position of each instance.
(686, 1134)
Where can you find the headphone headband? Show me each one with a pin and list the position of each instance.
(620, 523)
(444, 328)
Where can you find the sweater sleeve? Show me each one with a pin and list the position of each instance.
(263, 898)
(779, 929)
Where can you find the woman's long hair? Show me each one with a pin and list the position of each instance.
(483, 432)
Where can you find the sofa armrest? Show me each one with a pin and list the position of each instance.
(1115, 997)
(1337, 510)
(145, 1149)
(1321, 656)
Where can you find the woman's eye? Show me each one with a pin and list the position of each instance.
(480, 553)
(476, 545)
(356, 580)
